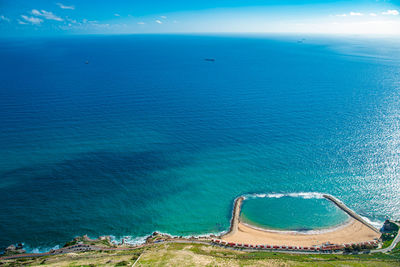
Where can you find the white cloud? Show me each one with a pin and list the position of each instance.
(371, 26)
(99, 25)
(350, 14)
(373, 14)
(65, 7)
(158, 21)
(355, 14)
(32, 20)
(71, 20)
(4, 18)
(36, 12)
(163, 17)
(45, 14)
(21, 22)
(393, 12)
(117, 15)
(141, 23)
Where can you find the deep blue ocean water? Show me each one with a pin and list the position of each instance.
(150, 136)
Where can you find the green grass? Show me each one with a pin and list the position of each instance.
(177, 254)
(387, 237)
(122, 263)
(387, 243)
(396, 250)
(297, 257)
(228, 257)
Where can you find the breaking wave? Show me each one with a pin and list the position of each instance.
(376, 224)
(305, 195)
(30, 249)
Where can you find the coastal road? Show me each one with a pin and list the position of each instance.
(392, 246)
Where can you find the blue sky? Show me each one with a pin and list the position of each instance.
(54, 17)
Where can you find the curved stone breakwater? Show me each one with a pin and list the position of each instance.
(346, 209)
(356, 231)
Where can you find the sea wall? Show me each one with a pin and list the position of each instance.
(350, 212)
(235, 216)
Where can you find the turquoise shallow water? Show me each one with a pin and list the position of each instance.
(150, 136)
(292, 213)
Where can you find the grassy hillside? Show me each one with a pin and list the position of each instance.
(173, 254)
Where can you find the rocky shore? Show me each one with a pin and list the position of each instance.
(108, 242)
(14, 249)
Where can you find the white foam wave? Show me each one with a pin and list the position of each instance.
(207, 234)
(131, 240)
(376, 224)
(305, 195)
(29, 249)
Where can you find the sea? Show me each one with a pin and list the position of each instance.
(124, 135)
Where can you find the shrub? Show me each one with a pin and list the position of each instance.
(122, 263)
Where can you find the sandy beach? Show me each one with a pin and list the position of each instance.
(353, 232)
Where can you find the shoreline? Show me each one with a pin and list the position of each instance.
(126, 240)
(355, 233)
(235, 225)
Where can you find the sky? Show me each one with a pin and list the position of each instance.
(68, 17)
